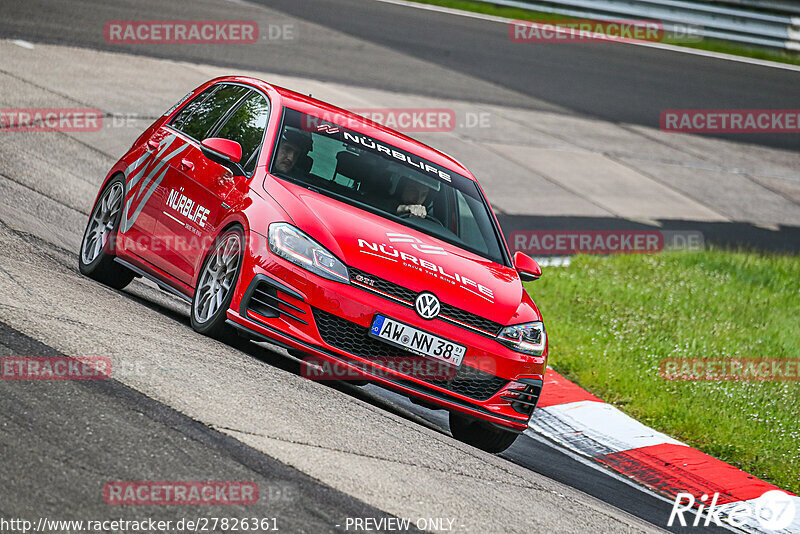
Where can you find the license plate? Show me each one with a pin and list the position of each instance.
(416, 341)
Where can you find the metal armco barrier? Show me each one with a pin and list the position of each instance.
(751, 23)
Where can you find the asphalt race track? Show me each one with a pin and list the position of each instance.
(183, 407)
(103, 430)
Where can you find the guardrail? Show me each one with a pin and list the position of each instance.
(780, 6)
(769, 23)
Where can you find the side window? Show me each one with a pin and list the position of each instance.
(469, 232)
(189, 108)
(206, 114)
(246, 126)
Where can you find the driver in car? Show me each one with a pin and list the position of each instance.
(293, 145)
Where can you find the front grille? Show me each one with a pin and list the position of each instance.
(354, 339)
(408, 296)
(470, 318)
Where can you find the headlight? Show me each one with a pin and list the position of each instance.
(528, 338)
(295, 246)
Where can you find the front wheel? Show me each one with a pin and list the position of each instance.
(216, 284)
(480, 434)
(96, 257)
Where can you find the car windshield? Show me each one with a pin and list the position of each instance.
(359, 170)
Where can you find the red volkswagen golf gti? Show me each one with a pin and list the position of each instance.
(358, 249)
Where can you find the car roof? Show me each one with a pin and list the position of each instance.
(312, 106)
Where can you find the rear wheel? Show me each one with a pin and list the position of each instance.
(96, 257)
(480, 434)
(216, 284)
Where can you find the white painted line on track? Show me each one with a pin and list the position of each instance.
(599, 426)
(23, 44)
(659, 46)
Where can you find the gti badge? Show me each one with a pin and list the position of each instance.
(427, 305)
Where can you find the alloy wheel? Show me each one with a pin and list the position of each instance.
(217, 277)
(101, 224)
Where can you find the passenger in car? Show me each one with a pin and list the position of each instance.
(410, 197)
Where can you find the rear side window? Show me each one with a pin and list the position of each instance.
(189, 108)
(207, 113)
(246, 126)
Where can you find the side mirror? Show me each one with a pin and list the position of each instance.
(225, 152)
(527, 267)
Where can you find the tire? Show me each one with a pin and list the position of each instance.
(217, 283)
(96, 256)
(480, 434)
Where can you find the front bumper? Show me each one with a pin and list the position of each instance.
(283, 304)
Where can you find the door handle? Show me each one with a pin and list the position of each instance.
(186, 164)
(152, 144)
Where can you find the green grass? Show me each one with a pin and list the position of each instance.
(712, 45)
(611, 320)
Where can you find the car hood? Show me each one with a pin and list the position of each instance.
(385, 249)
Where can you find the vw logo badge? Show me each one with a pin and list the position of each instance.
(427, 305)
